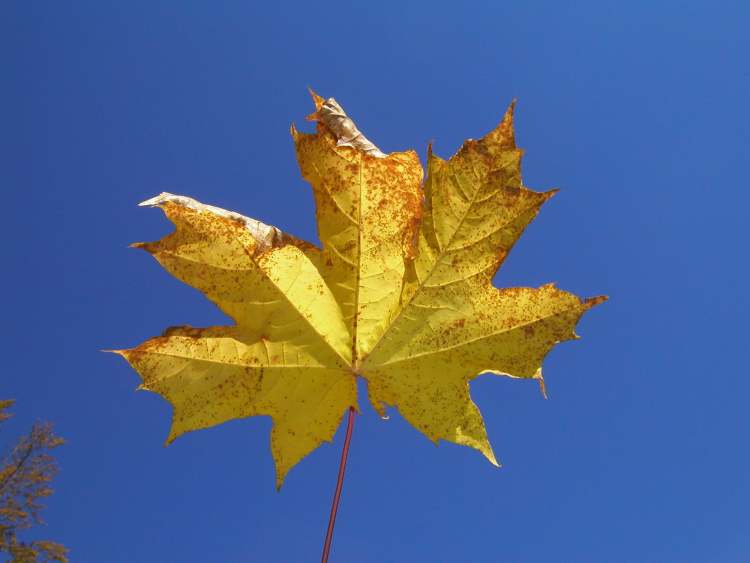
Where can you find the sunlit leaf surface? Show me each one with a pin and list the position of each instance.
(400, 294)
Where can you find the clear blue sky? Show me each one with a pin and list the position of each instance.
(637, 111)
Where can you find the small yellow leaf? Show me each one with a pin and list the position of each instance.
(400, 294)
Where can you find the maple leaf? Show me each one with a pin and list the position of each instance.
(400, 293)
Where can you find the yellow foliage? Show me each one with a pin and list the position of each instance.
(26, 473)
(400, 293)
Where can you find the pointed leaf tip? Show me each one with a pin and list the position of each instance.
(490, 455)
(542, 386)
(594, 301)
(549, 194)
(317, 100)
(504, 133)
(335, 119)
(157, 200)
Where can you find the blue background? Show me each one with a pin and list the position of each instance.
(637, 111)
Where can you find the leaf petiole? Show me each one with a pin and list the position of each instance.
(339, 486)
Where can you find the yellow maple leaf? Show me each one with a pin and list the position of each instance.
(400, 293)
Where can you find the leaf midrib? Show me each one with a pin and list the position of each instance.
(484, 336)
